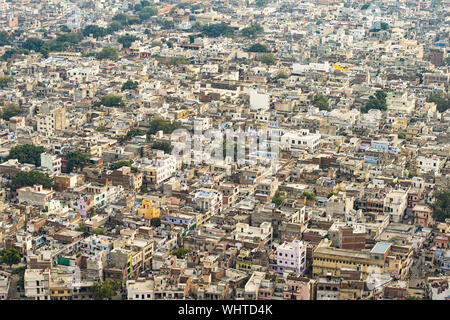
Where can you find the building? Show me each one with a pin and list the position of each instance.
(291, 257)
(35, 195)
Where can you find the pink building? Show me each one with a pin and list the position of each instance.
(297, 288)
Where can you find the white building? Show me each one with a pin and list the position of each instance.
(259, 101)
(37, 284)
(4, 286)
(291, 256)
(51, 162)
(395, 204)
(300, 140)
(208, 199)
(427, 164)
(262, 233)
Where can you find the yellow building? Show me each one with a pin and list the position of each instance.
(381, 259)
(148, 210)
(399, 124)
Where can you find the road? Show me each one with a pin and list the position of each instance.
(13, 294)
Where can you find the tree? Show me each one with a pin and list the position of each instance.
(76, 160)
(99, 231)
(94, 30)
(377, 102)
(168, 24)
(365, 6)
(441, 100)
(281, 75)
(252, 31)
(34, 44)
(267, 58)
(101, 129)
(331, 194)
(165, 146)
(401, 135)
(105, 289)
(120, 164)
(4, 81)
(175, 61)
(278, 199)
(321, 101)
(308, 195)
(27, 153)
(180, 252)
(11, 257)
(143, 188)
(130, 134)
(157, 124)
(217, 30)
(147, 12)
(5, 39)
(11, 110)
(155, 222)
(110, 100)
(130, 85)
(258, 47)
(441, 205)
(113, 27)
(30, 178)
(107, 53)
(261, 3)
(127, 40)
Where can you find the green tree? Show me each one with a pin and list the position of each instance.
(27, 153)
(99, 231)
(120, 164)
(267, 58)
(130, 134)
(155, 222)
(331, 194)
(178, 60)
(5, 39)
(105, 289)
(76, 160)
(147, 12)
(101, 129)
(321, 101)
(165, 146)
(281, 75)
(143, 188)
(401, 135)
(252, 31)
(94, 30)
(217, 30)
(111, 101)
(34, 44)
(441, 100)
(180, 252)
(441, 205)
(4, 81)
(278, 198)
(309, 196)
(377, 102)
(127, 40)
(10, 257)
(107, 53)
(130, 85)
(258, 47)
(30, 178)
(11, 110)
(261, 3)
(157, 124)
